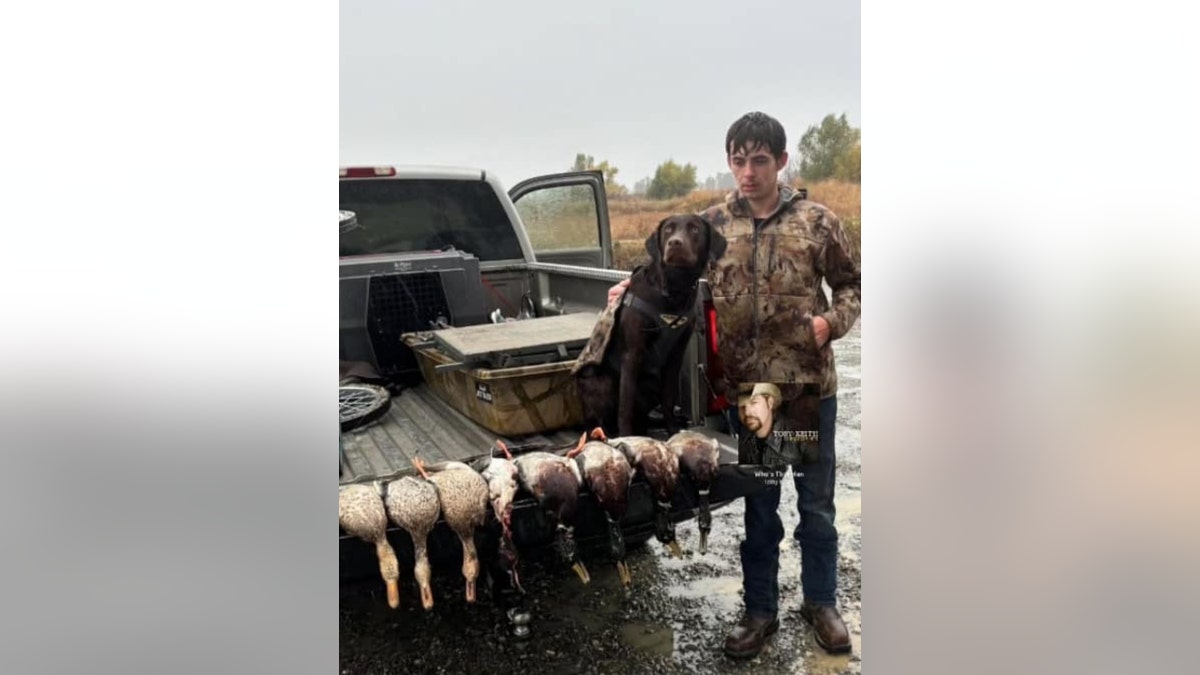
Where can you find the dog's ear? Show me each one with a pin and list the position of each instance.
(716, 241)
(654, 243)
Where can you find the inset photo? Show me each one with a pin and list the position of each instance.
(777, 423)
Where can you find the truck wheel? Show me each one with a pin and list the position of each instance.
(360, 404)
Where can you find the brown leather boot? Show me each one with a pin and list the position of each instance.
(747, 638)
(829, 628)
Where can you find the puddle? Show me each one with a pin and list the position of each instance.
(722, 593)
(848, 506)
(648, 637)
(822, 663)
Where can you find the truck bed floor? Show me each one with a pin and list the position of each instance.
(421, 423)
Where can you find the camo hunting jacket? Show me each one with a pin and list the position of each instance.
(767, 289)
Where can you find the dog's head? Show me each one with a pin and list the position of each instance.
(687, 241)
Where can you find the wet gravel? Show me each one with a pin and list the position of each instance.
(673, 621)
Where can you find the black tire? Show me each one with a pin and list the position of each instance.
(360, 404)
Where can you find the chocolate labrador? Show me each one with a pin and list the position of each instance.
(656, 317)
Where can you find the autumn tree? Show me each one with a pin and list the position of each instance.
(830, 146)
(672, 180)
(849, 166)
(588, 163)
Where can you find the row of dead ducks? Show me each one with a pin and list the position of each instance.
(460, 494)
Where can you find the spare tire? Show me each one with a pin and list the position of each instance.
(360, 404)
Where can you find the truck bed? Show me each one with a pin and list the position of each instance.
(420, 422)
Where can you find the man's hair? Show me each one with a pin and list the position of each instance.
(754, 129)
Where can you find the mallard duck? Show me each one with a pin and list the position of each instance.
(463, 496)
(361, 514)
(699, 456)
(659, 466)
(608, 475)
(501, 476)
(555, 481)
(412, 503)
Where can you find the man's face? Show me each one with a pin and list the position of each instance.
(757, 417)
(756, 171)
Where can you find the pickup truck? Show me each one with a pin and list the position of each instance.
(437, 247)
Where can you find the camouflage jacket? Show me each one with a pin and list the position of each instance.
(767, 289)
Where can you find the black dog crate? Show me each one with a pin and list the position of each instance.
(385, 296)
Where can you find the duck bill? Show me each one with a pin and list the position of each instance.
(389, 569)
(471, 590)
(582, 572)
(426, 597)
(625, 574)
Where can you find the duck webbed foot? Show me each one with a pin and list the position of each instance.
(616, 549)
(664, 529)
(565, 541)
(704, 521)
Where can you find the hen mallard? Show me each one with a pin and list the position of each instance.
(361, 513)
(463, 496)
(412, 503)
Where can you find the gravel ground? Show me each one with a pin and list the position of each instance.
(674, 620)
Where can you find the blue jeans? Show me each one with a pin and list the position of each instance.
(816, 534)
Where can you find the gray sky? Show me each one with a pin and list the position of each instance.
(518, 88)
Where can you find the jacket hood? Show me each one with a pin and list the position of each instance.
(740, 207)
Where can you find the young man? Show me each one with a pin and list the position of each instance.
(775, 325)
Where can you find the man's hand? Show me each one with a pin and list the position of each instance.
(614, 293)
(820, 330)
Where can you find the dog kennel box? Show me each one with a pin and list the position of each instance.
(512, 378)
(384, 296)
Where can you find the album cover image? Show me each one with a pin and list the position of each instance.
(777, 424)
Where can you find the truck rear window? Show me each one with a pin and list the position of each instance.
(398, 216)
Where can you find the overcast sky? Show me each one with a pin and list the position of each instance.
(518, 88)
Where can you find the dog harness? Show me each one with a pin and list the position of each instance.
(677, 323)
(670, 329)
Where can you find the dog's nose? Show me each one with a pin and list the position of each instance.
(674, 241)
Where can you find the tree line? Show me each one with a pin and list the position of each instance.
(829, 150)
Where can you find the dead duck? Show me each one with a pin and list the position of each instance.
(463, 497)
(555, 481)
(361, 513)
(501, 476)
(608, 475)
(412, 503)
(700, 457)
(659, 466)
